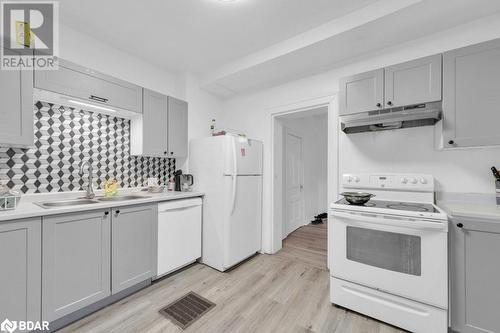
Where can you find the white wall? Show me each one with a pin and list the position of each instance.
(87, 51)
(203, 107)
(403, 150)
(90, 52)
(314, 133)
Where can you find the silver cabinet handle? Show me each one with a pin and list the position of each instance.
(98, 99)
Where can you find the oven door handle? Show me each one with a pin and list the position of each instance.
(391, 221)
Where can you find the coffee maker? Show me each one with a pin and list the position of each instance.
(183, 182)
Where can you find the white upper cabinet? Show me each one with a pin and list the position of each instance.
(162, 129)
(86, 84)
(471, 96)
(16, 108)
(362, 92)
(149, 131)
(413, 82)
(177, 127)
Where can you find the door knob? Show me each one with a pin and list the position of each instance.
(460, 225)
(451, 142)
(389, 103)
(379, 105)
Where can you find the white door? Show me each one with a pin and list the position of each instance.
(243, 228)
(294, 180)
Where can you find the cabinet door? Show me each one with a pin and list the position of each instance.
(413, 82)
(132, 245)
(471, 85)
(77, 81)
(76, 262)
(153, 129)
(21, 277)
(16, 108)
(177, 128)
(362, 92)
(475, 273)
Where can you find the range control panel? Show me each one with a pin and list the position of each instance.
(406, 182)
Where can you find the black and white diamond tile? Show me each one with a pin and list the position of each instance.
(64, 137)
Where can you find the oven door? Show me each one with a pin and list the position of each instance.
(402, 256)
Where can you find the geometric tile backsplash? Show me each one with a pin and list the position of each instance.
(65, 137)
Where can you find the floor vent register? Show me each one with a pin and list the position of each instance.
(187, 309)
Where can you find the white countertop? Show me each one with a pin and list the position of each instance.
(27, 207)
(470, 205)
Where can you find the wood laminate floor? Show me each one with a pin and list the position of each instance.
(285, 292)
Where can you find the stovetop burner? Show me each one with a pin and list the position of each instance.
(410, 207)
(401, 206)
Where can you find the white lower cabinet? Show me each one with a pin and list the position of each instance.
(76, 262)
(132, 245)
(475, 272)
(20, 277)
(179, 234)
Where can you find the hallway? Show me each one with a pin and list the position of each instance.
(308, 244)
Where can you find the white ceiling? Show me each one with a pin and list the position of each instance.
(198, 35)
(253, 44)
(341, 47)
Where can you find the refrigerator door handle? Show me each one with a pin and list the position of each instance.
(235, 157)
(235, 180)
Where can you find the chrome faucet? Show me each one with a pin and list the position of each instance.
(90, 188)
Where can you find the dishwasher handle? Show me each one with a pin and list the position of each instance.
(173, 209)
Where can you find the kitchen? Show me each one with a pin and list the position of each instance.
(358, 38)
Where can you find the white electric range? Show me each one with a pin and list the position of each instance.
(390, 256)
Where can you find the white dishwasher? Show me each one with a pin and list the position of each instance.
(179, 234)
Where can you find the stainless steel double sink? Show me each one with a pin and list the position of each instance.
(85, 201)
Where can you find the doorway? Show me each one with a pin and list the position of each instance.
(300, 169)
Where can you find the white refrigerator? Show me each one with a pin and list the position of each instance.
(228, 169)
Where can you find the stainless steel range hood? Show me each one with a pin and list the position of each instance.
(400, 117)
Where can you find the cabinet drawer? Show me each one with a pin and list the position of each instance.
(83, 83)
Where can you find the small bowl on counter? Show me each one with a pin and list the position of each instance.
(357, 198)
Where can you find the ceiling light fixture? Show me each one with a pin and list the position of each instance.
(91, 105)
